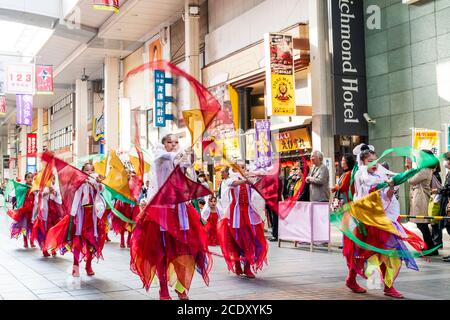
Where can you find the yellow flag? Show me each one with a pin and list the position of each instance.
(369, 210)
(100, 166)
(37, 182)
(135, 162)
(117, 178)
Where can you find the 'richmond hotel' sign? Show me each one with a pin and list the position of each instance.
(349, 72)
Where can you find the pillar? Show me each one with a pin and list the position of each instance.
(192, 40)
(111, 103)
(244, 102)
(81, 144)
(322, 122)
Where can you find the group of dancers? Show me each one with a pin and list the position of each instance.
(172, 240)
(169, 241)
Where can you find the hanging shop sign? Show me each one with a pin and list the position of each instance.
(349, 71)
(425, 139)
(161, 99)
(24, 109)
(44, 79)
(263, 147)
(280, 75)
(2, 105)
(112, 5)
(2, 78)
(98, 127)
(20, 78)
(31, 144)
(292, 140)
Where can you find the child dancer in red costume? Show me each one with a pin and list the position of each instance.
(241, 229)
(83, 231)
(22, 217)
(46, 214)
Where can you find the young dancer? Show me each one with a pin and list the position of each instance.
(211, 216)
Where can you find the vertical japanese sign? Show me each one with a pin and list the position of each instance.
(262, 140)
(2, 78)
(20, 79)
(425, 139)
(44, 79)
(160, 98)
(31, 144)
(24, 109)
(280, 75)
(112, 5)
(2, 105)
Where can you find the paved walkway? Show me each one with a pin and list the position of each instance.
(292, 273)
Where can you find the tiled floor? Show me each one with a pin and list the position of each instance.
(292, 273)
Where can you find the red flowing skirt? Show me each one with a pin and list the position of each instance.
(173, 251)
(40, 227)
(119, 226)
(62, 235)
(22, 223)
(211, 229)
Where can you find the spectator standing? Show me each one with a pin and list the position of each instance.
(318, 179)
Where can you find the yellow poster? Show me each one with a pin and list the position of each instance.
(425, 139)
(280, 75)
(283, 95)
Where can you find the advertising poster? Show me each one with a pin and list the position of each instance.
(425, 139)
(44, 79)
(263, 147)
(24, 109)
(280, 75)
(20, 78)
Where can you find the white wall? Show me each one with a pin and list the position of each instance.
(250, 27)
(223, 11)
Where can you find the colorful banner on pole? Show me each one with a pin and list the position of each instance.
(292, 140)
(263, 147)
(44, 79)
(425, 139)
(24, 109)
(31, 144)
(2, 105)
(20, 78)
(280, 75)
(112, 5)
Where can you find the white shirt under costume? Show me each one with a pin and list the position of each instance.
(163, 166)
(45, 197)
(88, 190)
(364, 181)
(256, 202)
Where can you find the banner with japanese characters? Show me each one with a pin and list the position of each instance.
(24, 109)
(112, 5)
(31, 144)
(2, 105)
(20, 78)
(298, 139)
(426, 139)
(44, 79)
(280, 75)
(262, 140)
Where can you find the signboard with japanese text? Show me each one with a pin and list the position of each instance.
(44, 79)
(2, 105)
(160, 98)
(112, 5)
(292, 140)
(262, 140)
(31, 144)
(20, 78)
(280, 75)
(425, 139)
(24, 109)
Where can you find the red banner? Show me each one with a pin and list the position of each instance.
(107, 5)
(31, 144)
(2, 104)
(44, 79)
